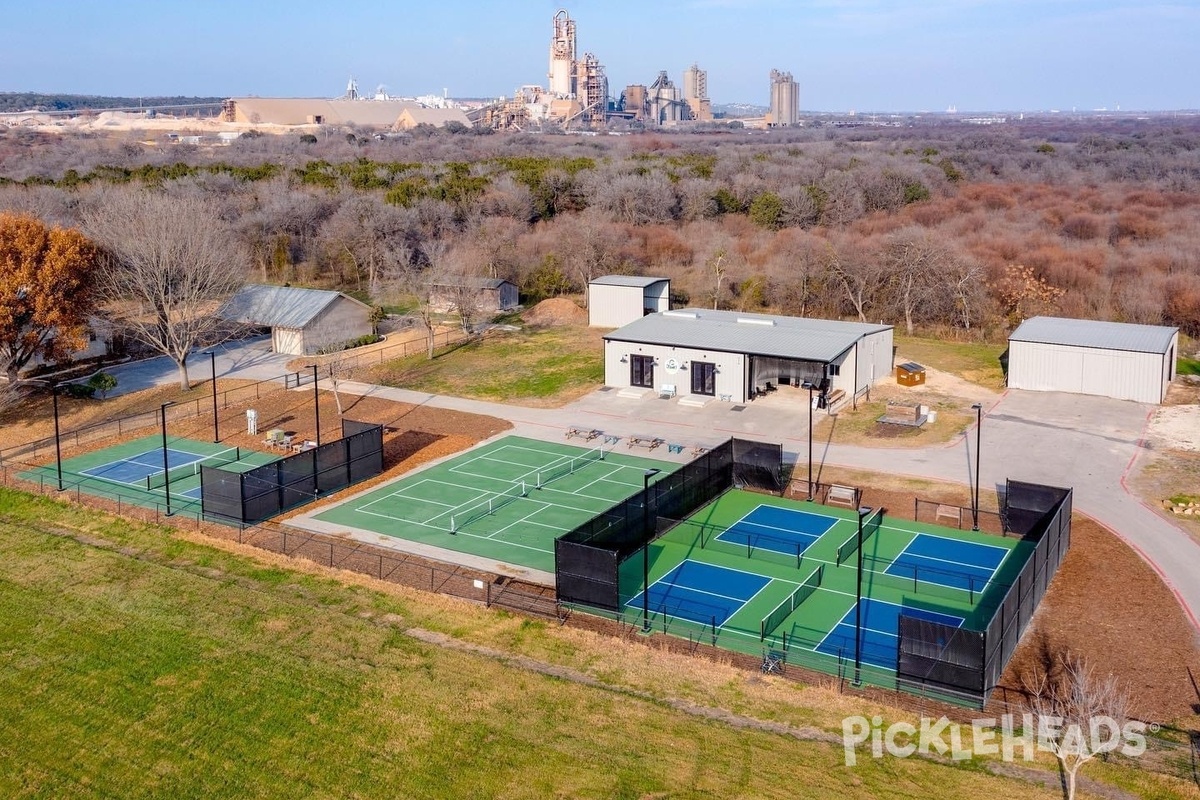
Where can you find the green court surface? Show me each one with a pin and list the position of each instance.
(132, 472)
(506, 501)
(748, 573)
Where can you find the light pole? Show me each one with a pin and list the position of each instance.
(316, 405)
(57, 441)
(162, 412)
(978, 439)
(862, 512)
(212, 356)
(810, 386)
(646, 476)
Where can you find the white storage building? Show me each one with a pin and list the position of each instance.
(1111, 359)
(615, 300)
(698, 354)
(302, 321)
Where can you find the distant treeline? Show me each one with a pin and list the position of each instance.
(36, 101)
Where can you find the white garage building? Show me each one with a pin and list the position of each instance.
(698, 354)
(1111, 359)
(614, 300)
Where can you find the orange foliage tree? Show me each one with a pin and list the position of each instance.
(45, 291)
(1022, 293)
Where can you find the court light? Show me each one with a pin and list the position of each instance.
(162, 413)
(810, 386)
(978, 440)
(646, 476)
(862, 512)
(212, 355)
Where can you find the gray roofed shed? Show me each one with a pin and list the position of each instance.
(302, 321)
(626, 280)
(1083, 356)
(1095, 333)
(796, 338)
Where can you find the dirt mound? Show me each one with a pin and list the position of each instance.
(555, 311)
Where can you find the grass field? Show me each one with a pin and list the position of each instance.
(545, 367)
(140, 664)
(490, 501)
(978, 362)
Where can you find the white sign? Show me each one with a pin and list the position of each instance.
(251, 421)
(672, 366)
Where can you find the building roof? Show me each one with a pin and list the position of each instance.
(478, 283)
(278, 306)
(626, 280)
(298, 110)
(796, 338)
(1094, 333)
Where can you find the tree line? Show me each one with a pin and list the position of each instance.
(960, 232)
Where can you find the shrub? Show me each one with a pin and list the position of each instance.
(79, 390)
(103, 383)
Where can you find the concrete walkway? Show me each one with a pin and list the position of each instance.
(1088, 443)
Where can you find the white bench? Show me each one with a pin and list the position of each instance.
(842, 496)
(666, 390)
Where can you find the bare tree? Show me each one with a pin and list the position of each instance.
(589, 245)
(170, 263)
(915, 261)
(1071, 703)
(859, 272)
(717, 268)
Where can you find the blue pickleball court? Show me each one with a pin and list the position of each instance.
(782, 530)
(699, 592)
(880, 632)
(948, 562)
(135, 469)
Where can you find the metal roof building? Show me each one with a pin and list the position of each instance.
(735, 356)
(302, 321)
(614, 300)
(1080, 356)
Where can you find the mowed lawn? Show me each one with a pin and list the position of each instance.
(544, 366)
(137, 663)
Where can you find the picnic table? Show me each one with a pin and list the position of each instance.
(648, 442)
(587, 434)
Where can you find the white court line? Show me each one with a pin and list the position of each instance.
(446, 531)
(833, 521)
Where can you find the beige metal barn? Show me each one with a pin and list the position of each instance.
(616, 300)
(1080, 356)
(302, 321)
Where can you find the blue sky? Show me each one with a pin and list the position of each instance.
(864, 55)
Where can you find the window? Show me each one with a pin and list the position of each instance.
(641, 371)
(835, 369)
(704, 378)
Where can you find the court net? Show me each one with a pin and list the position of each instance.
(782, 611)
(489, 506)
(870, 526)
(571, 465)
(159, 479)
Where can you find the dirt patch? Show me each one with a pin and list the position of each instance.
(939, 385)
(1105, 605)
(555, 311)
(1176, 427)
(1163, 474)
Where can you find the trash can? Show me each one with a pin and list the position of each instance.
(910, 374)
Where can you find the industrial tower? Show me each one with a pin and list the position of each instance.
(562, 56)
(785, 100)
(695, 93)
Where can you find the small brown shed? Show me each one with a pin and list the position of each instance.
(910, 374)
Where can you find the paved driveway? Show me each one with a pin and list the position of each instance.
(251, 359)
